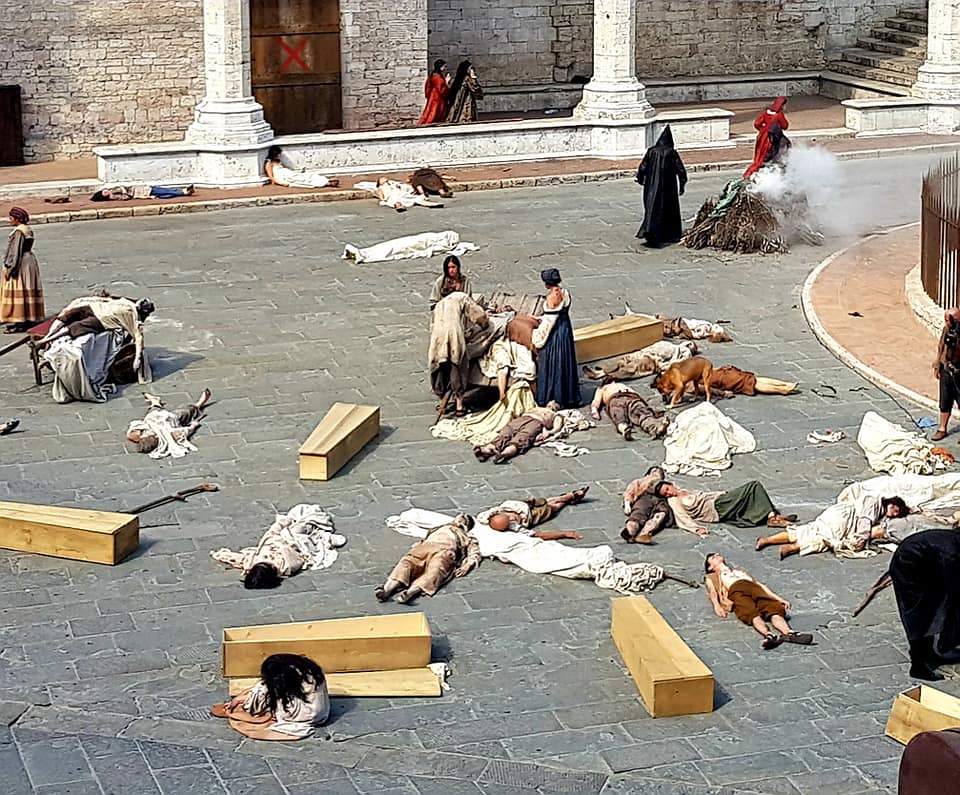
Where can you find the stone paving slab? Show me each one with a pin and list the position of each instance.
(118, 665)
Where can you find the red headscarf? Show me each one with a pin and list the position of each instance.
(777, 105)
(19, 215)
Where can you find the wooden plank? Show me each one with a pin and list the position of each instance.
(342, 433)
(403, 683)
(76, 534)
(616, 337)
(922, 709)
(671, 679)
(375, 643)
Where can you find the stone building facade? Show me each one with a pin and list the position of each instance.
(97, 72)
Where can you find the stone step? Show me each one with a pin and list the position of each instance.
(893, 48)
(876, 60)
(908, 25)
(900, 37)
(858, 87)
(913, 13)
(871, 73)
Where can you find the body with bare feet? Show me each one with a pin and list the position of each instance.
(521, 516)
(164, 433)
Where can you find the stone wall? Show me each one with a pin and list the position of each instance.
(383, 47)
(514, 42)
(689, 37)
(102, 71)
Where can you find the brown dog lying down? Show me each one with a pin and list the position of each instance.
(674, 380)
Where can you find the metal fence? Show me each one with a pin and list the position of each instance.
(940, 231)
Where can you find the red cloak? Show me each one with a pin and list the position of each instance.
(762, 125)
(437, 93)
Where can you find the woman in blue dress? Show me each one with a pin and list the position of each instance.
(557, 376)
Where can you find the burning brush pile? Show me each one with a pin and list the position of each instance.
(750, 217)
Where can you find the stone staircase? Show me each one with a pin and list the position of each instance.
(891, 55)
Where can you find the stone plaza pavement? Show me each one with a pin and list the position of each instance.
(106, 674)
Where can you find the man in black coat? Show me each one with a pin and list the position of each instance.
(663, 177)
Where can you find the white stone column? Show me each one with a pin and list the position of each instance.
(939, 77)
(228, 115)
(614, 91)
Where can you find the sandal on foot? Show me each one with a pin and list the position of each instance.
(802, 638)
(579, 494)
(940, 434)
(771, 642)
(758, 547)
(9, 427)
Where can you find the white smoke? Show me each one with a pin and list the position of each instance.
(805, 194)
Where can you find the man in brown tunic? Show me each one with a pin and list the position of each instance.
(522, 433)
(734, 381)
(445, 552)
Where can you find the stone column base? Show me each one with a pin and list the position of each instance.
(231, 122)
(614, 101)
(937, 82)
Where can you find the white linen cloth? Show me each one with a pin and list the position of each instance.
(701, 440)
(891, 448)
(81, 366)
(427, 244)
(299, 178)
(932, 493)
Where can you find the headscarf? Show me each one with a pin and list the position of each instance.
(550, 277)
(461, 75)
(19, 215)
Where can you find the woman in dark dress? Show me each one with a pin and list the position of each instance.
(663, 176)
(557, 376)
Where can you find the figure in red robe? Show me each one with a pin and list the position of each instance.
(772, 115)
(437, 93)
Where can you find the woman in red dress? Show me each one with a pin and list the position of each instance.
(762, 124)
(437, 93)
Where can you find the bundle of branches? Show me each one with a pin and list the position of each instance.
(739, 221)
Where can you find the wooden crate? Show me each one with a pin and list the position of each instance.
(93, 536)
(341, 434)
(373, 643)
(922, 709)
(420, 682)
(671, 678)
(616, 337)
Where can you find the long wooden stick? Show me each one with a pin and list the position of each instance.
(689, 583)
(885, 581)
(180, 496)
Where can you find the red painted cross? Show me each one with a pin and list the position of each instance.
(293, 55)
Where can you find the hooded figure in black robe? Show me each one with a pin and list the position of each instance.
(779, 145)
(925, 570)
(663, 177)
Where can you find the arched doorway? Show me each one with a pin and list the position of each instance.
(295, 63)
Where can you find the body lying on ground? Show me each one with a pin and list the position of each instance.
(285, 177)
(748, 505)
(303, 538)
(521, 516)
(647, 361)
(445, 552)
(521, 434)
(647, 513)
(843, 528)
(731, 589)
(163, 433)
(628, 411)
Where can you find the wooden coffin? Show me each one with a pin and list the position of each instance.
(672, 680)
(616, 337)
(922, 709)
(419, 682)
(374, 643)
(92, 536)
(341, 434)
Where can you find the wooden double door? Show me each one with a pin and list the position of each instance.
(295, 63)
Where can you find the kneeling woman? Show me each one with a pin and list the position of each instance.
(288, 701)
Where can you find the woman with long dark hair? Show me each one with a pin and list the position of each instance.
(288, 701)
(437, 93)
(464, 93)
(452, 280)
